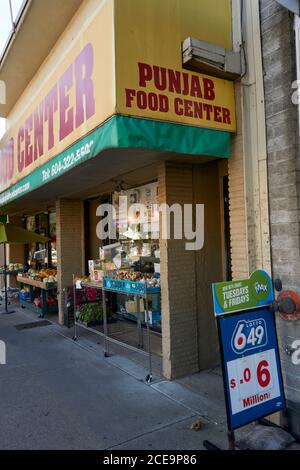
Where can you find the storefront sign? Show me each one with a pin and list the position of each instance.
(70, 96)
(257, 291)
(108, 63)
(251, 366)
(151, 82)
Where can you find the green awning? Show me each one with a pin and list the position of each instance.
(125, 132)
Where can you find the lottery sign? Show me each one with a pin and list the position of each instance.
(245, 294)
(251, 366)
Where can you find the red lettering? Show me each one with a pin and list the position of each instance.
(160, 77)
(28, 145)
(84, 85)
(198, 112)
(226, 116)
(145, 74)
(50, 109)
(141, 99)
(178, 106)
(21, 153)
(195, 87)
(174, 81)
(38, 118)
(130, 94)
(186, 87)
(66, 113)
(209, 89)
(153, 101)
(163, 104)
(188, 104)
(208, 108)
(217, 114)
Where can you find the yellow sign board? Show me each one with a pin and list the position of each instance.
(71, 95)
(151, 82)
(118, 57)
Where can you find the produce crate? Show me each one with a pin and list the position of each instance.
(24, 296)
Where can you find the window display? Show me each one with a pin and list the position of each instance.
(126, 273)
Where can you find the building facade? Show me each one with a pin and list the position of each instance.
(104, 101)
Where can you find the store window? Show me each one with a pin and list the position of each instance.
(133, 254)
(130, 253)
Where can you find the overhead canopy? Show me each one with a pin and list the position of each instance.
(16, 235)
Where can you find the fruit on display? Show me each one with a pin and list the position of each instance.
(13, 267)
(135, 276)
(44, 275)
(132, 276)
(89, 313)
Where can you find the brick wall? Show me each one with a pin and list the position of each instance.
(179, 315)
(279, 61)
(237, 198)
(189, 331)
(70, 245)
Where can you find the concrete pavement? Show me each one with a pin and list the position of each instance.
(60, 394)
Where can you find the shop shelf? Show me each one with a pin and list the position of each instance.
(11, 273)
(113, 284)
(129, 287)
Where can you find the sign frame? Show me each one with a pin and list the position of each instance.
(236, 423)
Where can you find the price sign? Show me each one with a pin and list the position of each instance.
(251, 366)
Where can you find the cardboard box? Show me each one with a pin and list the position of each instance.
(132, 306)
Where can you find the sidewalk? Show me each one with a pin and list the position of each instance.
(61, 394)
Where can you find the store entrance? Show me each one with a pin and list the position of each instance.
(213, 262)
(130, 258)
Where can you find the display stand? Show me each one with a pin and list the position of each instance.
(140, 291)
(45, 289)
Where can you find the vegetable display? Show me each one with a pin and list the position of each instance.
(90, 313)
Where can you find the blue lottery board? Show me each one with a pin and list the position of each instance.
(251, 366)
